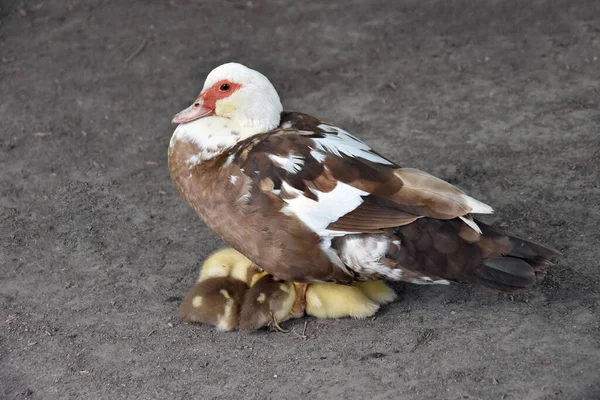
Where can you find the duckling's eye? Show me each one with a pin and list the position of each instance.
(225, 87)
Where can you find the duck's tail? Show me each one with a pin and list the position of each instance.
(520, 266)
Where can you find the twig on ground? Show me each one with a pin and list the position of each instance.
(303, 335)
(137, 51)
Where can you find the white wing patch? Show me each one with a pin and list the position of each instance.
(364, 254)
(330, 206)
(291, 163)
(477, 207)
(341, 142)
(469, 221)
(428, 281)
(318, 155)
(332, 254)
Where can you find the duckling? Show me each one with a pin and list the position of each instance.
(267, 303)
(228, 262)
(266, 300)
(360, 300)
(214, 301)
(330, 300)
(377, 291)
(232, 292)
(217, 296)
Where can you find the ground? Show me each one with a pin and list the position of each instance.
(97, 248)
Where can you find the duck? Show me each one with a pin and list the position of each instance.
(311, 203)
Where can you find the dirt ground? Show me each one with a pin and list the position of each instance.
(501, 98)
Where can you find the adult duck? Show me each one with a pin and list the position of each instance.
(308, 202)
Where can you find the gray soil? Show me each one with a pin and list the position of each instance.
(501, 98)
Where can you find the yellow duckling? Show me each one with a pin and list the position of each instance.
(361, 300)
(377, 291)
(228, 262)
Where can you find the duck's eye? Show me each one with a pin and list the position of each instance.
(224, 87)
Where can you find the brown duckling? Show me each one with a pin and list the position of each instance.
(229, 282)
(267, 303)
(214, 301)
(217, 296)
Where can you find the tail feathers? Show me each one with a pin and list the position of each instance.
(505, 274)
(531, 251)
(524, 264)
(522, 248)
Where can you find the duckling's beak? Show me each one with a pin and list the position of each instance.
(195, 111)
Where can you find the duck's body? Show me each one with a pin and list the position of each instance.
(308, 202)
(249, 219)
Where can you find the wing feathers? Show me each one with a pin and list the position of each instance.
(424, 190)
(373, 215)
(467, 219)
(309, 160)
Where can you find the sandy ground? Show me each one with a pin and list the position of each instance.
(97, 248)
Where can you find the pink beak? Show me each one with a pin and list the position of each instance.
(195, 111)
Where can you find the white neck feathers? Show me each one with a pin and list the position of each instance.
(212, 135)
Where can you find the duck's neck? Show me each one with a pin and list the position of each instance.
(212, 135)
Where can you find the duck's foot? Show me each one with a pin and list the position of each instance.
(274, 325)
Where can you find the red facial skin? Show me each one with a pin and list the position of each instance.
(215, 93)
(206, 102)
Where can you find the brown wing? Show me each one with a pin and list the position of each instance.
(312, 157)
(373, 215)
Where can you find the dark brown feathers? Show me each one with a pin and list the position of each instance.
(498, 261)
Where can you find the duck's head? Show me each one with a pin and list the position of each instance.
(239, 93)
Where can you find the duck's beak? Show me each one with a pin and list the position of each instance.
(195, 111)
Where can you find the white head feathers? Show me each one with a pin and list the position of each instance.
(255, 104)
